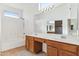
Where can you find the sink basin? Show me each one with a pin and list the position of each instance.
(63, 37)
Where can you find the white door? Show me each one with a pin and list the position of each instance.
(12, 32)
(14, 28)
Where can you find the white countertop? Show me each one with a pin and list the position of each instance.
(58, 37)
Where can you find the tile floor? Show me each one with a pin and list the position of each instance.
(21, 52)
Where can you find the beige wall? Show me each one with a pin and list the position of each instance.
(28, 11)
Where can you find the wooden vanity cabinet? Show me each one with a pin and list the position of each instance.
(54, 48)
(29, 43)
(51, 51)
(61, 49)
(38, 43)
(78, 51)
(39, 40)
(32, 45)
(52, 43)
(68, 50)
(69, 47)
(66, 53)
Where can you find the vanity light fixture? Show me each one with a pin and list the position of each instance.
(45, 6)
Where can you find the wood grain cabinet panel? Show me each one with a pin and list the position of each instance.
(54, 48)
(78, 51)
(69, 47)
(39, 39)
(52, 43)
(27, 42)
(32, 45)
(51, 51)
(66, 53)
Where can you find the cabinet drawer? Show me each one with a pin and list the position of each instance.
(69, 47)
(53, 43)
(66, 53)
(39, 39)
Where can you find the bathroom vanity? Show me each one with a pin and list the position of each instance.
(57, 22)
(56, 45)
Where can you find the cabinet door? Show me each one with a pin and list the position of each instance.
(31, 44)
(51, 51)
(27, 42)
(66, 53)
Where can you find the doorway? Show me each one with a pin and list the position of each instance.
(12, 29)
(58, 27)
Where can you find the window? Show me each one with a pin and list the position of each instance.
(11, 14)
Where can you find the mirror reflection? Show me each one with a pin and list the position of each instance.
(59, 19)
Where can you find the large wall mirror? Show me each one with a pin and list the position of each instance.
(61, 19)
(64, 20)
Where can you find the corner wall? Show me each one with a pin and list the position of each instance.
(28, 13)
